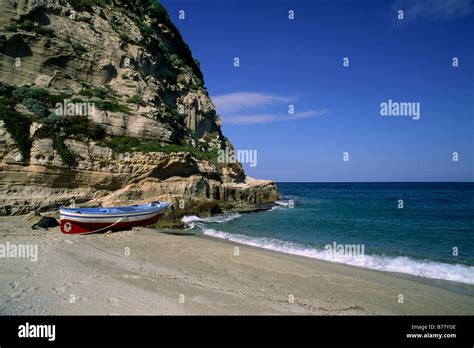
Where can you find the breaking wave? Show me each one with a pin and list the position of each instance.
(400, 264)
(190, 221)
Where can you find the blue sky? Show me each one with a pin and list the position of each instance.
(337, 108)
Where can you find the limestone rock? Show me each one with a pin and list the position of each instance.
(144, 84)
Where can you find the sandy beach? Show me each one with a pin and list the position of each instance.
(147, 271)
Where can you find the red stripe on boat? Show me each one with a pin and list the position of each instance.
(75, 227)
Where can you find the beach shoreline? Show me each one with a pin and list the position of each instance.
(152, 272)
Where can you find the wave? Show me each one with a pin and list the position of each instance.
(283, 203)
(399, 264)
(190, 221)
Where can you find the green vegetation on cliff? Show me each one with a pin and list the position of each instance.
(23, 105)
(39, 102)
(61, 148)
(30, 26)
(18, 125)
(154, 23)
(124, 144)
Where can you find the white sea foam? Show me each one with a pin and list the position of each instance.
(276, 207)
(192, 219)
(283, 203)
(400, 264)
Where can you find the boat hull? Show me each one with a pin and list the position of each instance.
(77, 227)
(84, 220)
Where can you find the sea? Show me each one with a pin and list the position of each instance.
(421, 229)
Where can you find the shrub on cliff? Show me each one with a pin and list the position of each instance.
(107, 99)
(75, 126)
(51, 128)
(13, 28)
(18, 125)
(50, 125)
(124, 144)
(35, 106)
(92, 91)
(84, 127)
(64, 152)
(136, 99)
(85, 5)
(39, 101)
(30, 26)
(22, 92)
(111, 105)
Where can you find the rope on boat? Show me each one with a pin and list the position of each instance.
(103, 228)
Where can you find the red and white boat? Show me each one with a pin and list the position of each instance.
(90, 220)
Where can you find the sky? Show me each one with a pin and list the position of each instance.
(336, 132)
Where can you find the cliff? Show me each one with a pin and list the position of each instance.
(101, 102)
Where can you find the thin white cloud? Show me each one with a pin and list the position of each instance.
(240, 101)
(434, 9)
(266, 118)
(250, 108)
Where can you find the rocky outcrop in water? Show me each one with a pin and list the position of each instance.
(102, 103)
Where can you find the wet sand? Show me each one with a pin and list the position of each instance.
(146, 271)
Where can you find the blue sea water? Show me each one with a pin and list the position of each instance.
(418, 239)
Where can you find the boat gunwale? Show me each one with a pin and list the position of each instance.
(105, 216)
(140, 211)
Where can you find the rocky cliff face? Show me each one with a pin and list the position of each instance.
(101, 102)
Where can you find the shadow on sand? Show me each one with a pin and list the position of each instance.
(174, 233)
